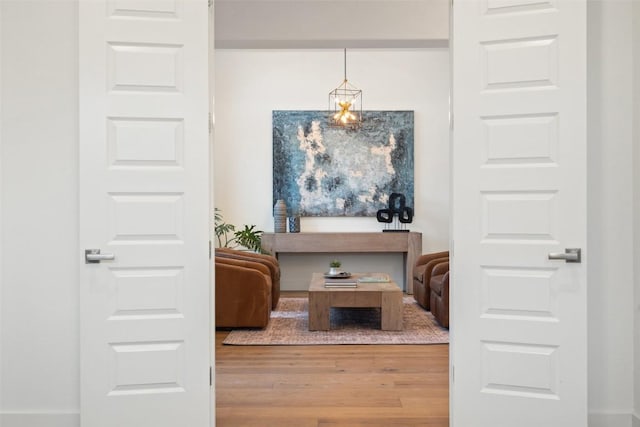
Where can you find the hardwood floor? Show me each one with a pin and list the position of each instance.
(350, 385)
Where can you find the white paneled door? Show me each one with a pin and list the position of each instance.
(144, 198)
(519, 194)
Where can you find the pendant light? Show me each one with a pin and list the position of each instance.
(345, 103)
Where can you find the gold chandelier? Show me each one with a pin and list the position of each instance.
(345, 103)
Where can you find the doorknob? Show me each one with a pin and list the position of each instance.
(93, 256)
(569, 255)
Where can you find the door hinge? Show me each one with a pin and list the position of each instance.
(210, 118)
(453, 374)
(210, 3)
(209, 249)
(210, 376)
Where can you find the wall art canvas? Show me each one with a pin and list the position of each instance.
(321, 170)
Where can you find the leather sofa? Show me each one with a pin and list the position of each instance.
(439, 298)
(422, 273)
(243, 293)
(267, 260)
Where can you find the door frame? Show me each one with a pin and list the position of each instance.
(451, 223)
(212, 270)
(211, 191)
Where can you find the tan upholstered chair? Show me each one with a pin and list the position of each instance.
(439, 299)
(268, 260)
(422, 276)
(243, 293)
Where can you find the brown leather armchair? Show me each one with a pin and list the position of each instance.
(439, 299)
(422, 273)
(269, 261)
(243, 293)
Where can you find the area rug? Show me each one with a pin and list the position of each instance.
(289, 326)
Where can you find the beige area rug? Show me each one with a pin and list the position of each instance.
(289, 326)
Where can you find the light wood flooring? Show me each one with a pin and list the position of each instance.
(349, 385)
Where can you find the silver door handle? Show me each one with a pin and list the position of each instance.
(93, 256)
(569, 255)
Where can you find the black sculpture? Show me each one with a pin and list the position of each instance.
(397, 207)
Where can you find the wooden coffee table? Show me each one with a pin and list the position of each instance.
(386, 295)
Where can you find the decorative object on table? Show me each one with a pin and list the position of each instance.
(345, 103)
(338, 275)
(334, 267)
(294, 224)
(280, 216)
(398, 213)
(325, 171)
(228, 237)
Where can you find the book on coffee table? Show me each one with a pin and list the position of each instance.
(340, 283)
(374, 279)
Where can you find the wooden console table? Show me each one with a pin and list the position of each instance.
(409, 243)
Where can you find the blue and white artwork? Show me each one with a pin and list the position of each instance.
(320, 170)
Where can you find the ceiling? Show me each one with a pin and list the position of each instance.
(287, 24)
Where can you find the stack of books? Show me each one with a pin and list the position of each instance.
(374, 279)
(340, 283)
(352, 282)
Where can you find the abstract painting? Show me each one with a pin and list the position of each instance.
(320, 170)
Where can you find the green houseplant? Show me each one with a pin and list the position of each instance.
(334, 266)
(250, 238)
(228, 237)
(223, 230)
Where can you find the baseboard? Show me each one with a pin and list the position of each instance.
(40, 420)
(73, 420)
(610, 420)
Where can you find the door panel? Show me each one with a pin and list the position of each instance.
(519, 193)
(144, 175)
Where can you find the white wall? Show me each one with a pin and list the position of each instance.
(2, 325)
(610, 214)
(252, 83)
(636, 224)
(40, 352)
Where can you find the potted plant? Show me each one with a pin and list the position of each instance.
(223, 230)
(228, 237)
(250, 238)
(334, 267)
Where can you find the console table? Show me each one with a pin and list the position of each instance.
(409, 243)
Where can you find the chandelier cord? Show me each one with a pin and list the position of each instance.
(345, 64)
